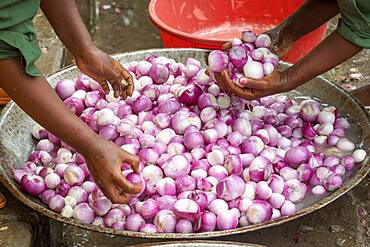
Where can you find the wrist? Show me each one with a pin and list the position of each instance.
(83, 51)
(289, 80)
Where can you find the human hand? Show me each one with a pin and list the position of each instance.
(103, 68)
(250, 89)
(104, 160)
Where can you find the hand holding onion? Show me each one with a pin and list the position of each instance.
(250, 67)
(103, 69)
(104, 160)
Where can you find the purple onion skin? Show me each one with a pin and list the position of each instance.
(296, 156)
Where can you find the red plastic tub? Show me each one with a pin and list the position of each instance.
(210, 23)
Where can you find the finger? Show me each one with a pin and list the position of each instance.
(128, 78)
(227, 82)
(226, 46)
(117, 89)
(105, 86)
(254, 84)
(117, 195)
(219, 80)
(121, 86)
(123, 94)
(132, 160)
(126, 186)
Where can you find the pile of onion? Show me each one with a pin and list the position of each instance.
(209, 161)
(248, 57)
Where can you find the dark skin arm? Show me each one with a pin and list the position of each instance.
(38, 99)
(64, 17)
(35, 96)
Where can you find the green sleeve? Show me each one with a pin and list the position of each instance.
(17, 33)
(354, 24)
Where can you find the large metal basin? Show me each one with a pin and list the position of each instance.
(16, 143)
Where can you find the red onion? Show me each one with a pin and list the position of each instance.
(288, 208)
(233, 164)
(38, 132)
(75, 105)
(33, 184)
(182, 119)
(206, 222)
(253, 70)
(296, 156)
(341, 123)
(65, 88)
(78, 193)
(165, 221)
(333, 182)
(294, 190)
(142, 103)
(243, 126)
(253, 145)
(166, 186)
(246, 159)
(47, 195)
(318, 190)
(345, 145)
(74, 175)
(45, 145)
(56, 203)
(326, 117)
(185, 183)
(238, 56)
(230, 188)
(83, 213)
(147, 209)
(216, 157)
(148, 228)
(169, 106)
(159, 73)
(227, 220)
(189, 95)
(184, 226)
(217, 61)
(176, 166)
(260, 169)
(217, 206)
(187, 209)
(310, 110)
(276, 200)
(359, 155)
(52, 180)
(218, 171)
(134, 222)
(259, 211)
(263, 191)
(276, 183)
(288, 173)
(89, 187)
(193, 140)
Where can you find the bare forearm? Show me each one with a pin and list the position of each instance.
(311, 15)
(65, 19)
(35, 96)
(332, 51)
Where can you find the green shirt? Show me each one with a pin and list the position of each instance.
(17, 33)
(354, 24)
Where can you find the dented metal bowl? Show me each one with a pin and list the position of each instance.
(16, 143)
